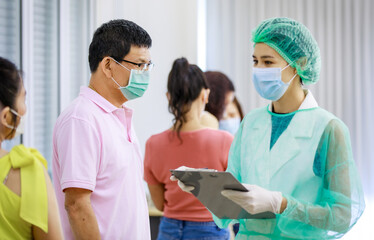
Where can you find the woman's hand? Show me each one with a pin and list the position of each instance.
(256, 200)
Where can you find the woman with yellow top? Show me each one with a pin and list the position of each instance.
(28, 207)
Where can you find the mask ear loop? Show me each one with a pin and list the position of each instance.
(121, 64)
(17, 114)
(289, 82)
(14, 112)
(285, 67)
(119, 86)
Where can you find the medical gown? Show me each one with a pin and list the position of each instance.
(311, 163)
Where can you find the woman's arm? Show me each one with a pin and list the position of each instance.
(54, 224)
(157, 194)
(341, 202)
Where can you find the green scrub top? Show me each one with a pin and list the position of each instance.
(311, 163)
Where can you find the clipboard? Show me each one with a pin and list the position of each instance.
(208, 185)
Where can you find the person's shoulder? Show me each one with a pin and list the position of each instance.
(209, 120)
(255, 115)
(22, 156)
(81, 108)
(159, 137)
(257, 111)
(322, 115)
(217, 134)
(336, 126)
(332, 123)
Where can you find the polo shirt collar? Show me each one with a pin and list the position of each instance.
(98, 99)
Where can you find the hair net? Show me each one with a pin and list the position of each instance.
(294, 42)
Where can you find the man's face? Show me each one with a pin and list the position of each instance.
(138, 56)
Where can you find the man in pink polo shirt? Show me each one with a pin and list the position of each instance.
(97, 163)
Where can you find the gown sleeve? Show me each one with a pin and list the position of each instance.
(233, 167)
(340, 203)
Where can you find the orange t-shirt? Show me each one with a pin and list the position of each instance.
(204, 148)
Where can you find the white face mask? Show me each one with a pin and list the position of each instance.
(21, 125)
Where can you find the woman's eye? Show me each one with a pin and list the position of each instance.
(268, 62)
(255, 62)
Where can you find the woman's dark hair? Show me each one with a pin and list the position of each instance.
(185, 83)
(115, 39)
(10, 86)
(220, 85)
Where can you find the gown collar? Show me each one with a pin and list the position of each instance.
(309, 101)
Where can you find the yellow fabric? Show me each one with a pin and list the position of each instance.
(18, 214)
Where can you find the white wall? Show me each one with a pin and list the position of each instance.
(172, 26)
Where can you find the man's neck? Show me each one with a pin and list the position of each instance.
(107, 90)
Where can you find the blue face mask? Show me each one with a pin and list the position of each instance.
(268, 82)
(138, 83)
(231, 125)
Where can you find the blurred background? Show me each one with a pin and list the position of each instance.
(49, 39)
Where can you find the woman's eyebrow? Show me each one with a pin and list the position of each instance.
(266, 56)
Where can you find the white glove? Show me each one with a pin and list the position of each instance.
(256, 200)
(183, 186)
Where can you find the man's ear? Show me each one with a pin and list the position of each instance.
(105, 66)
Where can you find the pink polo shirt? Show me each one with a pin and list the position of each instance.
(95, 148)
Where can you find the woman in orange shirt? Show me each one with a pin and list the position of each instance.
(188, 143)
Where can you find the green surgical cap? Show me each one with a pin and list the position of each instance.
(294, 42)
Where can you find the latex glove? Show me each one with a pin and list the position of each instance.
(182, 186)
(256, 200)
